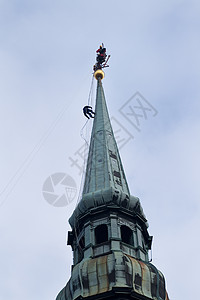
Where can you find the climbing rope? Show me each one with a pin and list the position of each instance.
(91, 91)
(89, 104)
(85, 137)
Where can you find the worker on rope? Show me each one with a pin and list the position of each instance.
(88, 112)
(101, 58)
(101, 54)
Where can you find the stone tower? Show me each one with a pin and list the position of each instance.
(109, 237)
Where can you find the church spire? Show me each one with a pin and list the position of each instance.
(104, 167)
(105, 185)
(105, 182)
(109, 237)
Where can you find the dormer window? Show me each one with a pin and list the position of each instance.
(101, 234)
(126, 235)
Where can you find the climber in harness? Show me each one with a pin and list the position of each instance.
(88, 112)
(101, 54)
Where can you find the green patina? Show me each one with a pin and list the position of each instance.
(109, 236)
(105, 181)
(104, 167)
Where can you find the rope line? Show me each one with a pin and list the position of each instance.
(84, 136)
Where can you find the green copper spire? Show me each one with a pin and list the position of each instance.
(105, 182)
(104, 167)
(109, 236)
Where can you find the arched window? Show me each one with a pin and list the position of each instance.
(101, 234)
(126, 235)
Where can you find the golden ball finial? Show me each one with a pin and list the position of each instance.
(99, 74)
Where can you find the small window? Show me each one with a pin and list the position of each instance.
(101, 234)
(82, 242)
(126, 235)
(80, 254)
(80, 248)
(144, 246)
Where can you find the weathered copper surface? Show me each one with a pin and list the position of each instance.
(116, 270)
(105, 181)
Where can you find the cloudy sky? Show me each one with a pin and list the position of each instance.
(47, 50)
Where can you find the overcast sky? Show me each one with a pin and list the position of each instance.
(47, 50)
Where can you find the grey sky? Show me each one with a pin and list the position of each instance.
(47, 50)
